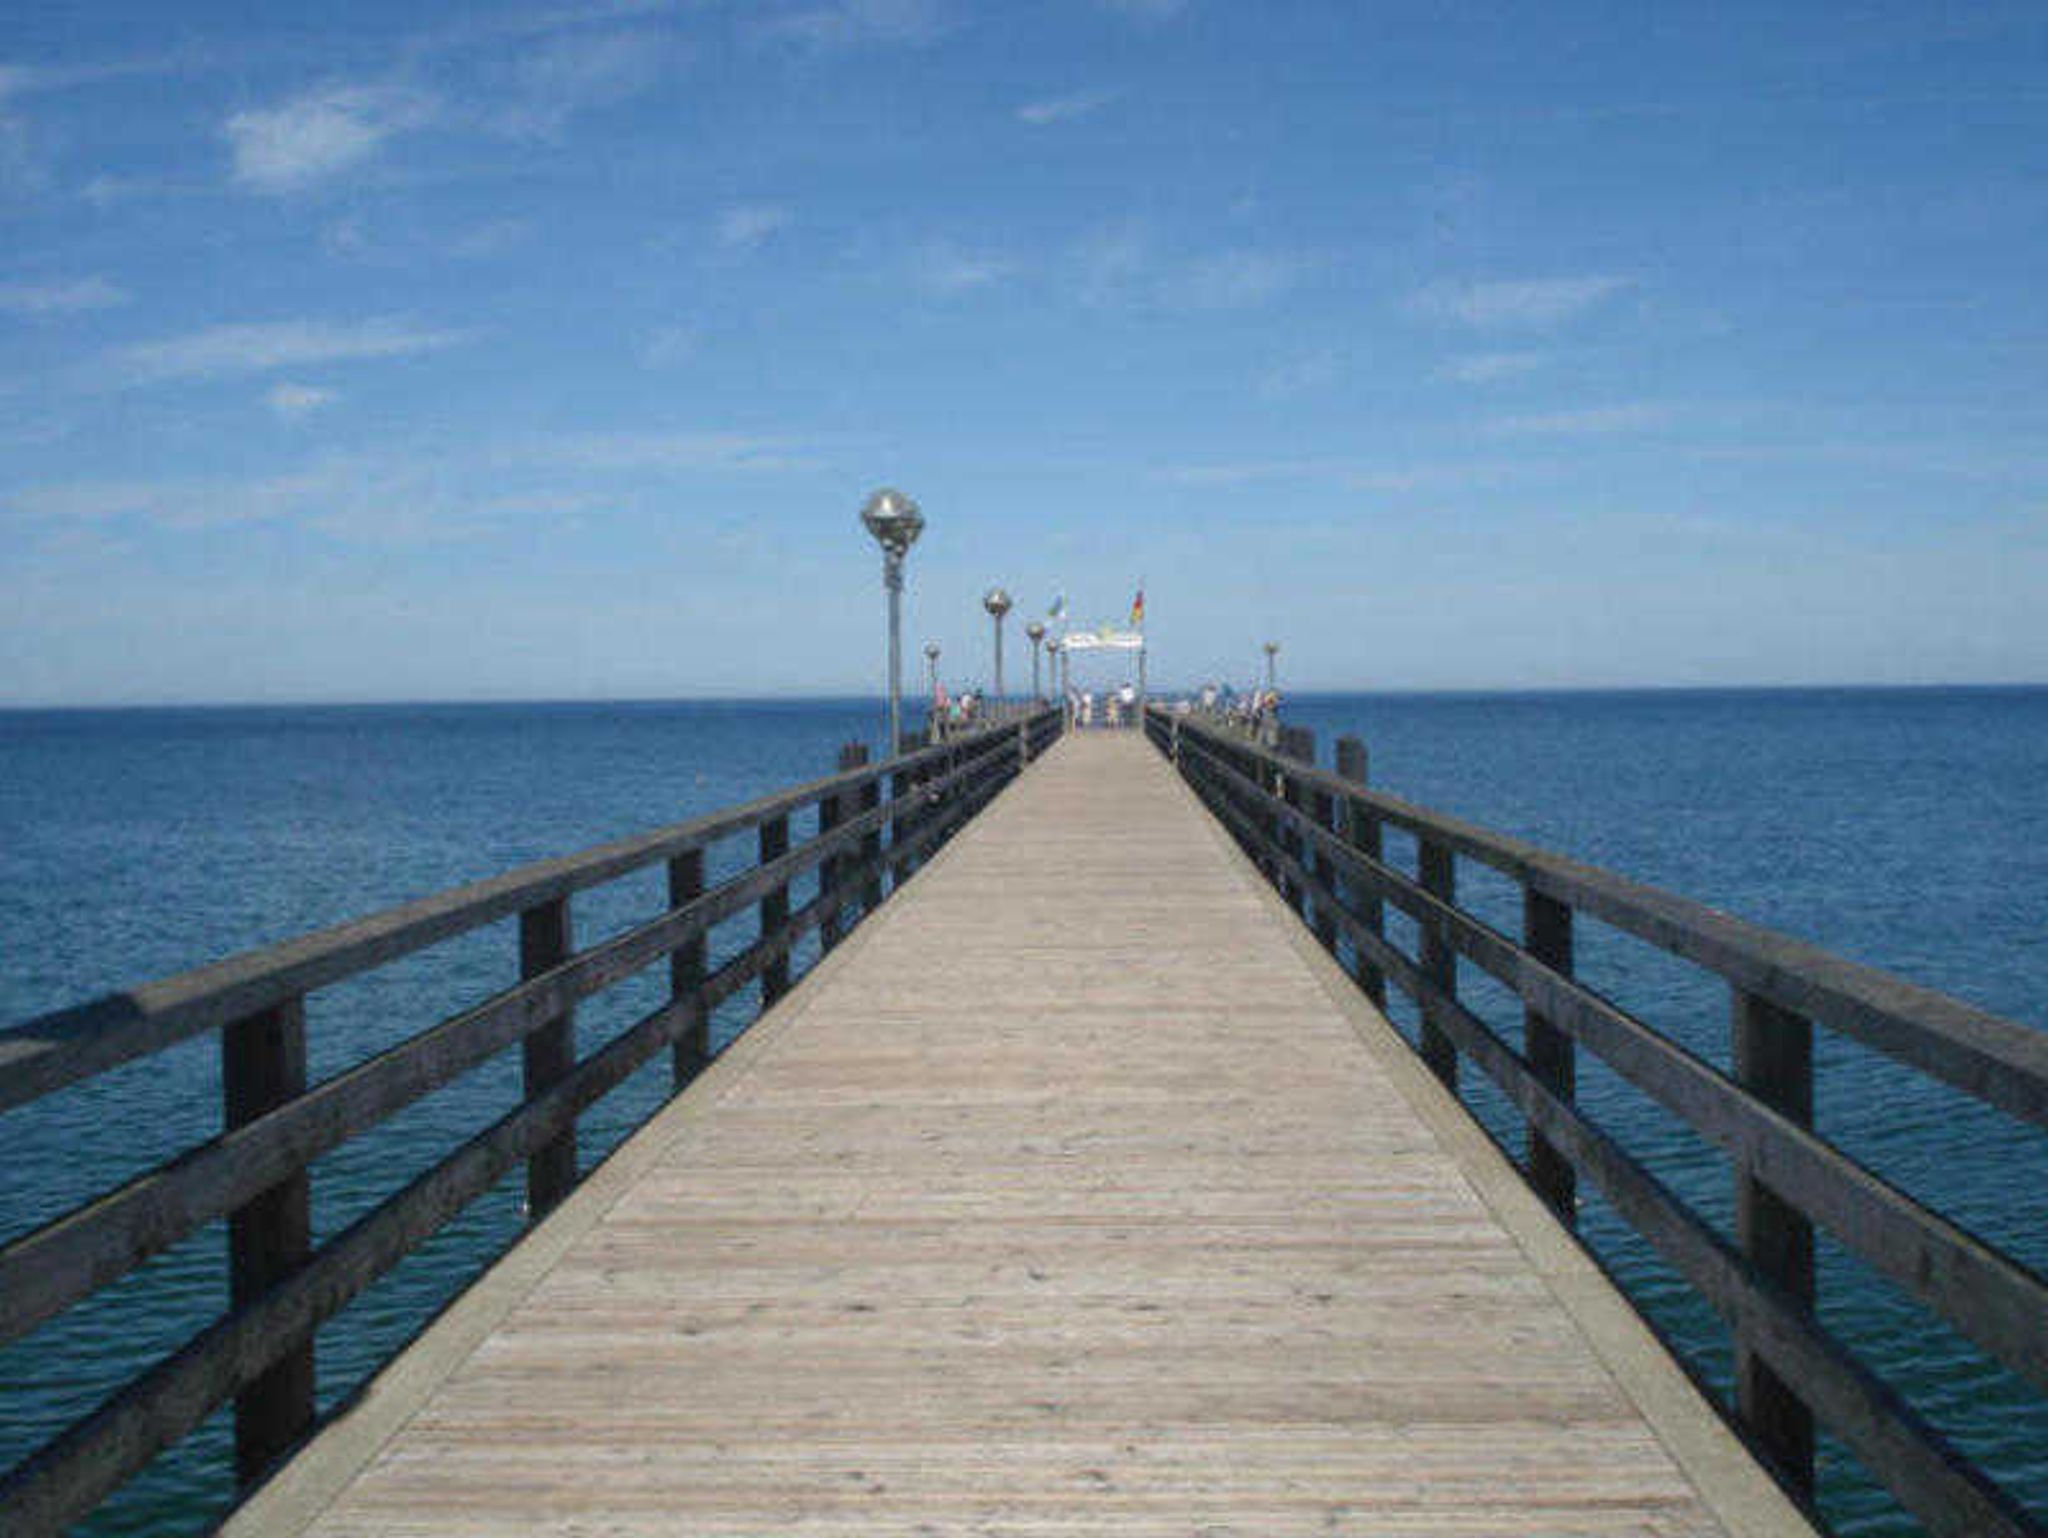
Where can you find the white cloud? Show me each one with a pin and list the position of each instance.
(581, 72)
(1235, 280)
(943, 268)
(226, 351)
(65, 298)
(1531, 303)
(1064, 109)
(318, 135)
(749, 226)
(666, 451)
(291, 402)
(1487, 367)
(666, 346)
(1587, 421)
(1299, 376)
(850, 23)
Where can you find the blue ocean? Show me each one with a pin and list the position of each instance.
(1904, 828)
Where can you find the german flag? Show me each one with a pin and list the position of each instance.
(1138, 609)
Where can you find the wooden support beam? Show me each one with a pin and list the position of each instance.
(1547, 935)
(263, 1065)
(1773, 1060)
(692, 1049)
(546, 940)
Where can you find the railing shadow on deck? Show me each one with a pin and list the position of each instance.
(874, 824)
(1317, 836)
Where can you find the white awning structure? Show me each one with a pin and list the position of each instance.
(1103, 639)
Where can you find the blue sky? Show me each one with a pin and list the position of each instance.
(441, 352)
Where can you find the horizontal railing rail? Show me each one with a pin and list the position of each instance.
(875, 823)
(1318, 836)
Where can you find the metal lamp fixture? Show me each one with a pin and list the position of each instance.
(895, 521)
(931, 660)
(997, 602)
(1036, 632)
(1272, 651)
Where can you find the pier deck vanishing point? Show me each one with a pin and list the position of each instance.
(1077, 1191)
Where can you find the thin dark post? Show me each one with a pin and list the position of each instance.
(1547, 933)
(1773, 1060)
(1299, 744)
(871, 848)
(686, 970)
(546, 940)
(263, 1065)
(774, 844)
(1436, 870)
(840, 808)
(903, 807)
(1362, 829)
(1323, 808)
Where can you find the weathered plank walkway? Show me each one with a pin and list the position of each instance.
(1077, 1192)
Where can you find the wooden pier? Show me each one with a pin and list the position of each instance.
(1077, 1191)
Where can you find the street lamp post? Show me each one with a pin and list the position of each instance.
(997, 602)
(1272, 651)
(931, 662)
(895, 521)
(1036, 631)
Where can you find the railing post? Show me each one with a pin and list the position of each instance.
(263, 1065)
(1299, 744)
(686, 971)
(1323, 809)
(546, 940)
(774, 844)
(1773, 1060)
(1547, 935)
(1438, 873)
(903, 808)
(871, 848)
(1362, 831)
(833, 811)
(1175, 755)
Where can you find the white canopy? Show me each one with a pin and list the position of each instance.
(1103, 639)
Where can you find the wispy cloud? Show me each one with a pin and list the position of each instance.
(1146, 10)
(1488, 367)
(944, 268)
(666, 346)
(1064, 109)
(64, 298)
(304, 141)
(1588, 421)
(1300, 376)
(851, 23)
(1346, 474)
(749, 226)
(581, 72)
(227, 351)
(1235, 280)
(1531, 303)
(293, 402)
(662, 450)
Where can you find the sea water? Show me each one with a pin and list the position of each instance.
(1904, 828)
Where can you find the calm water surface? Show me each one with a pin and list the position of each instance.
(1908, 829)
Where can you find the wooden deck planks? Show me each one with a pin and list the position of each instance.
(1063, 1200)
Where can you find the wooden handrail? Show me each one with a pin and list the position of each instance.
(1993, 1059)
(259, 1353)
(1306, 828)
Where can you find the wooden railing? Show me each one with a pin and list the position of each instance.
(873, 823)
(1318, 837)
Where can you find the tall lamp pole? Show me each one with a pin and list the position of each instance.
(895, 521)
(997, 602)
(931, 662)
(1036, 631)
(1272, 651)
